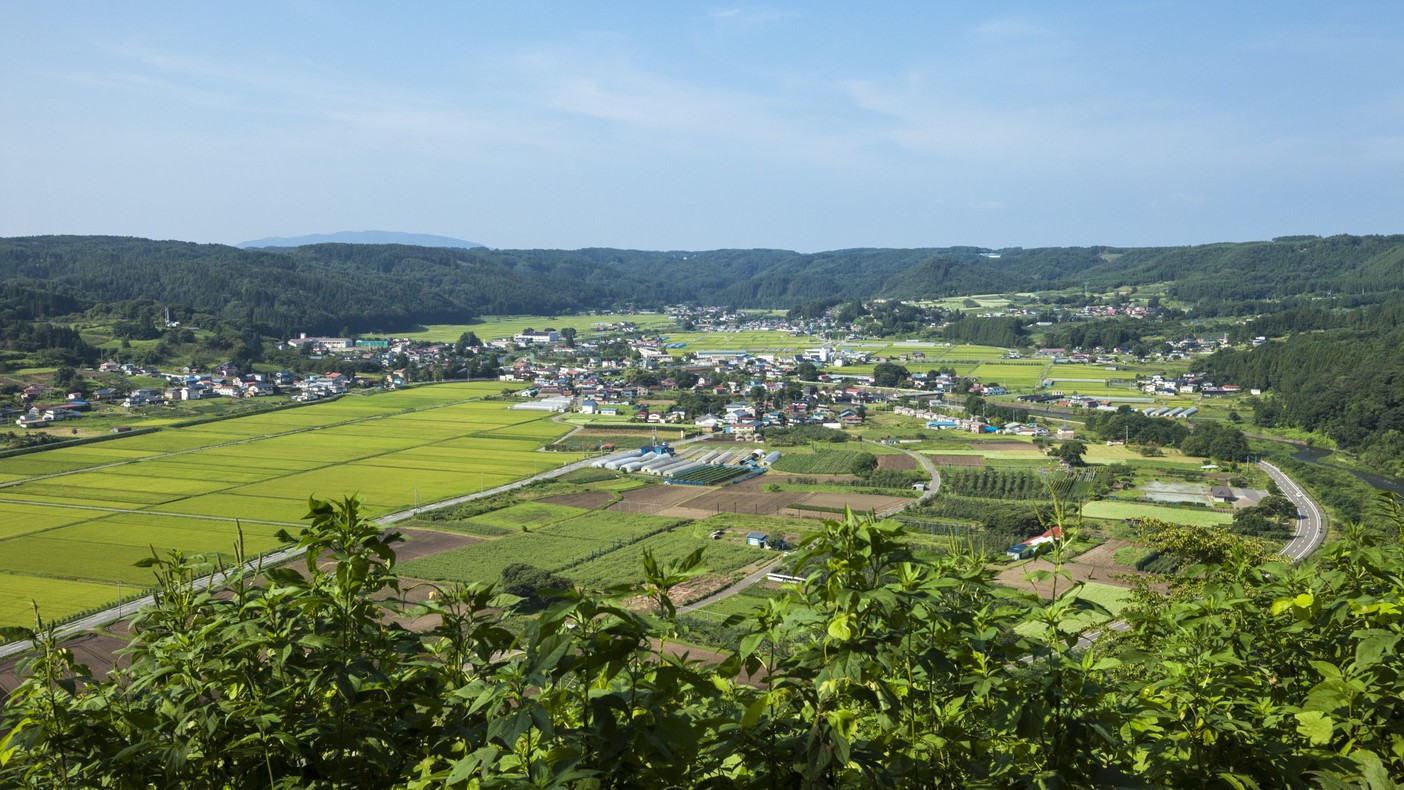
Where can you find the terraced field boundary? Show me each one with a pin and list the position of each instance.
(85, 515)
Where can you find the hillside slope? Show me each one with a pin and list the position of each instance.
(364, 287)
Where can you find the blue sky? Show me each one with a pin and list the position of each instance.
(647, 125)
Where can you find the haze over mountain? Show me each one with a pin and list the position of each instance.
(362, 237)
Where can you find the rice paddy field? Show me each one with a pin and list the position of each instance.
(943, 353)
(508, 325)
(1012, 373)
(757, 341)
(81, 516)
(1086, 383)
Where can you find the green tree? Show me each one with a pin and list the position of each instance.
(466, 341)
(887, 374)
(1071, 452)
(529, 582)
(885, 668)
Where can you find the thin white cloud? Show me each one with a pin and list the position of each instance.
(748, 15)
(643, 106)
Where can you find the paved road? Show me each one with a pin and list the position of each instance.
(1311, 520)
(1311, 531)
(932, 488)
(125, 608)
(121, 610)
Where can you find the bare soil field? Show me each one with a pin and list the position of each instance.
(423, 542)
(902, 462)
(97, 650)
(590, 500)
(733, 500)
(861, 503)
(657, 496)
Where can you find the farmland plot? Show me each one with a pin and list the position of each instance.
(1125, 510)
(626, 565)
(394, 449)
(57, 597)
(583, 539)
(828, 462)
(1011, 374)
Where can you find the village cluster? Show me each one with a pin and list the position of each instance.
(618, 368)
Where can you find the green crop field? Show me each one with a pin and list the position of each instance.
(973, 353)
(744, 602)
(506, 326)
(483, 562)
(1124, 510)
(626, 565)
(57, 598)
(1101, 454)
(527, 514)
(754, 340)
(1097, 389)
(1014, 374)
(827, 462)
(107, 505)
(552, 547)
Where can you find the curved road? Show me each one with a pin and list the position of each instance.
(932, 489)
(1311, 519)
(1311, 531)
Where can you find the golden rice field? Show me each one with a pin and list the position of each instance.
(74, 520)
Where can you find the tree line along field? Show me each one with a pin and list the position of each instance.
(77, 518)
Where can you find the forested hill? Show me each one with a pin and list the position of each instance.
(363, 287)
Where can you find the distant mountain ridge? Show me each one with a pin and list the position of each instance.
(362, 237)
(343, 288)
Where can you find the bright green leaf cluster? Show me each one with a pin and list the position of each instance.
(881, 670)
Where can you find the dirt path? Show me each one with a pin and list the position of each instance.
(722, 595)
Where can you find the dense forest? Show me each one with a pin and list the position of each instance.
(882, 670)
(1347, 384)
(330, 288)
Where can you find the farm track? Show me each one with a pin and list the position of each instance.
(754, 578)
(118, 611)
